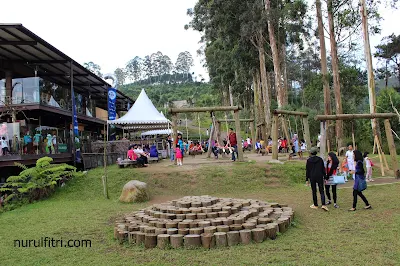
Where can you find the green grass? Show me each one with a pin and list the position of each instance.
(79, 211)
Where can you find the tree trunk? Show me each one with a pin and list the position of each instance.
(275, 58)
(285, 88)
(324, 67)
(261, 113)
(264, 82)
(336, 77)
(370, 70)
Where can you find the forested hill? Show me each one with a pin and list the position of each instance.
(162, 95)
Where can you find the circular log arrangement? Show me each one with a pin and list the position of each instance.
(204, 221)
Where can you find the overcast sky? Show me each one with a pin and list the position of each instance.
(110, 33)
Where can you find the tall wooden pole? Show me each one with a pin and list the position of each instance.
(322, 150)
(253, 136)
(238, 136)
(370, 70)
(174, 132)
(275, 137)
(307, 132)
(392, 147)
(211, 135)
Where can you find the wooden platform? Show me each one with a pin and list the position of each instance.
(30, 159)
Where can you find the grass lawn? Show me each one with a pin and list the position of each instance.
(79, 211)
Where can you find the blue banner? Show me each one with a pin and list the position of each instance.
(112, 97)
(78, 158)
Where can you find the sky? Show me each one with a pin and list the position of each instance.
(110, 33)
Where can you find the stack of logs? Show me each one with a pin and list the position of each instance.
(196, 221)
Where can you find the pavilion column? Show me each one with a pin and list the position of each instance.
(392, 147)
(238, 136)
(275, 137)
(8, 86)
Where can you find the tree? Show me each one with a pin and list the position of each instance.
(94, 68)
(389, 51)
(134, 68)
(184, 62)
(121, 75)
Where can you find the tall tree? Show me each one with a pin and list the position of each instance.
(389, 51)
(134, 68)
(94, 68)
(121, 74)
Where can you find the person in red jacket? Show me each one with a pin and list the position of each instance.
(232, 141)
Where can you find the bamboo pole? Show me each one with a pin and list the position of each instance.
(307, 132)
(285, 112)
(211, 136)
(233, 120)
(322, 150)
(204, 109)
(380, 156)
(392, 147)
(238, 136)
(355, 116)
(352, 135)
(275, 137)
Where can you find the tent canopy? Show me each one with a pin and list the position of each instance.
(142, 115)
(158, 132)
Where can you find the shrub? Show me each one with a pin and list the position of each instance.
(37, 182)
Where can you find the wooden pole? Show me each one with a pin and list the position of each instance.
(355, 116)
(322, 150)
(307, 132)
(204, 109)
(174, 132)
(105, 186)
(380, 156)
(392, 147)
(238, 136)
(352, 135)
(275, 137)
(211, 136)
(285, 112)
(253, 136)
(284, 128)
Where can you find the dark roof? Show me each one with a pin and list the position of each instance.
(23, 51)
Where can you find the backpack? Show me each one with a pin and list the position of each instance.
(372, 164)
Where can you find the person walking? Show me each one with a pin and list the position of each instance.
(359, 182)
(368, 165)
(232, 141)
(350, 159)
(315, 175)
(179, 155)
(4, 146)
(331, 168)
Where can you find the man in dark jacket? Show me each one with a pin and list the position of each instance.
(316, 174)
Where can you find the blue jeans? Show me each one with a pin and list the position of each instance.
(171, 154)
(235, 150)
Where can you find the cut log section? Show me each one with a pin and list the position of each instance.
(150, 241)
(220, 239)
(196, 231)
(210, 230)
(233, 238)
(223, 228)
(271, 231)
(245, 236)
(208, 240)
(160, 231)
(140, 238)
(249, 225)
(192, 241)
(183, 231)
(258, 234)
(176, 240)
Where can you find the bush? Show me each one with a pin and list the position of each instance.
(37, 182)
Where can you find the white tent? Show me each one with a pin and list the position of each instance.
(142, 115)
(158, 132)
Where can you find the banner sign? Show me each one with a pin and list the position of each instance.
(112, 97)
(75, 128)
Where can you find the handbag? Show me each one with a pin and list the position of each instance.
(362, 184)
(338, 179)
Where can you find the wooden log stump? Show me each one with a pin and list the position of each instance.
(220, 239)
(193, 224)
(235, 227)
(217, 208)
(223, 214)
(149, 230)
(212, 215)
(258, 234)
(183, 231)
(185, 211)
(275, 215)
(184, 204)
(283, 205)
(160, 224)
(274, 205)
(238, 220)
(140, 237)
(223, 228)
(150, 241)
(153, 223)
(132, 237)
(191, 216)
(208, 240)
(176, 240)
(181, 216)
(170, 216)
(171, 225)
(271, 231)
(264, 220)
(132, 228)
(160, 231)
(275, 225)
(196, 204)
(196, 231)
(142, 227)
(227, 209)
(249, 225)
(192, 241)
(183, 225)
(204, 224)
(245, 236)
(283, 224)
(216, 222)
(202, 216)
(235, 210)
(207, 210)
(210, 230)
(233, 238)
(206, 203)
(172, 231)
(227, 222)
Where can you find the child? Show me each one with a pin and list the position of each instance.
(303, 148)
(178, 154)
(368, 164)
(4, 145)
(345, 169)
(293, 153)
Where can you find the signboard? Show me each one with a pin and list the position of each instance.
(78, 158)
(112, 97)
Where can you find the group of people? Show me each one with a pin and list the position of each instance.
(320, 174)
(142, 154)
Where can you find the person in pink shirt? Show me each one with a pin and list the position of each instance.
(178, 154)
